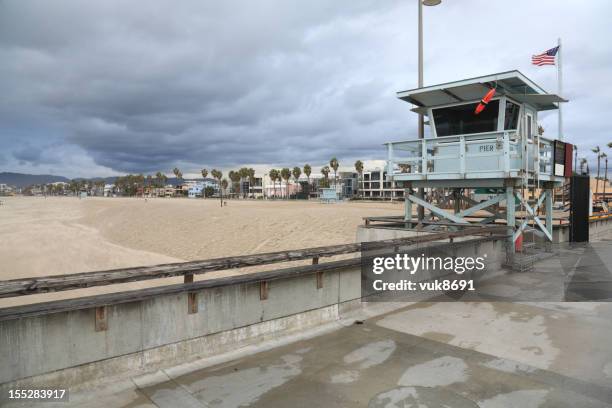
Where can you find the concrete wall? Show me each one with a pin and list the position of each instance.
(42, 344)
(598, 229)
(64, 349)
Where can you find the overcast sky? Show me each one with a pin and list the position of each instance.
(97, 88)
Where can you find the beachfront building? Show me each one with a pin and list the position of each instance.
(376, 186)
(255, 189)
(6, 190)
(109, 190)
(196, 188)
(347, 184)
(279, 189)
(169, 190)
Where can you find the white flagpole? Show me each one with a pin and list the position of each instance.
(559, 88)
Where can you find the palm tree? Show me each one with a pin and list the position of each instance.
(218, 175)
(597, 151)
(325, 172)
(160, 179)
(297, 172)
(605, 157)
(235, 178)
(150, 183)
(307, 172)
(286, 175)
(251, 177)
(609, 145)
(204, 175)
(273, 176)
(177, 173)
(179, 176)
(140, 179)
(333, 163)
(359, 168)
(99, 184)
(224, 184)
(117, 183)
(244, 174)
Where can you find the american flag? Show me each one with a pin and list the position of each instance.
(545, 58)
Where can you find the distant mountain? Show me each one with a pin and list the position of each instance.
(24, 180)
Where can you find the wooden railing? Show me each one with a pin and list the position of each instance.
(56, 283)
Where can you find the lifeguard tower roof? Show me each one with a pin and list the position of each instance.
(511, 83)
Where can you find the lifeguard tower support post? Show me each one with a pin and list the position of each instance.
(499, 149)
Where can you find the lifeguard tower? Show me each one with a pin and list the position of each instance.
(499, 150)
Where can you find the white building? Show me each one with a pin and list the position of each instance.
(109, 190)
(375, 185)
(5, 189)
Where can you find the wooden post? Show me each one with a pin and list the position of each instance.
(319, 275)
(101, 318)
(192, 302)
(263, 290)
(188, 278)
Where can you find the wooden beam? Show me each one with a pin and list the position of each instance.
(87, 302)
(54, 283)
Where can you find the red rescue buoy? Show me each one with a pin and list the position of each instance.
(484, 101)
(518, 244)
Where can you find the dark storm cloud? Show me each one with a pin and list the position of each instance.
(141, 86)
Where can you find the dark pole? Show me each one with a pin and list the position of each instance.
(421, 131)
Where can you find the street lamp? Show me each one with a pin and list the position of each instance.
(431, 3)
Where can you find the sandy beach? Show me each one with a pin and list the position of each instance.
(61, 235)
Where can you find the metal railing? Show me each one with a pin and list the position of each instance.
(489, 152)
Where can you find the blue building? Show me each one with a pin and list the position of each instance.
(196, 188)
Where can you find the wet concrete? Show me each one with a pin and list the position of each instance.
(496, 355)
(451, 354)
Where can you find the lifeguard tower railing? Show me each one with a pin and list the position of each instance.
(499, 159)
(491, 155)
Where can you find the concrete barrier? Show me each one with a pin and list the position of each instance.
(598, 229)
(65, 348)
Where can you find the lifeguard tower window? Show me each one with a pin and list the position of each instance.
(461, 120)
(512, 115)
